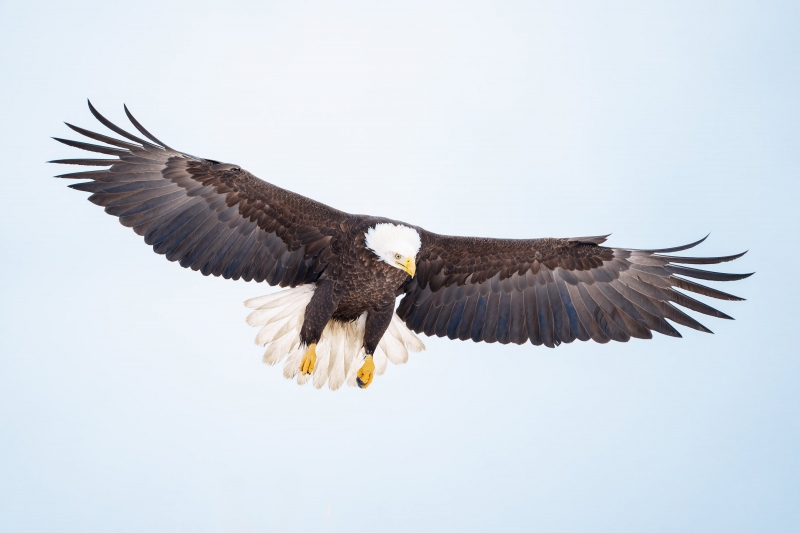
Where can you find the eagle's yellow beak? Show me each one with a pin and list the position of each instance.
(410, 266)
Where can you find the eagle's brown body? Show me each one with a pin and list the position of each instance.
(356, 282)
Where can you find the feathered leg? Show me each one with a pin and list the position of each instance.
(318, 312)
(377, 323)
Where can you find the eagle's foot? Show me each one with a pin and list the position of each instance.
(365, 373)
(309, 360)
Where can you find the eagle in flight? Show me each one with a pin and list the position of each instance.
(337, 321)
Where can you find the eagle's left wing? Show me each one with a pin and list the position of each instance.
(551, 291)
(208, 216)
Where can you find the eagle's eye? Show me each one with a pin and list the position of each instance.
(397, 256)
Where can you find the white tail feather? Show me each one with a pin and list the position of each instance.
(264, 316)
(324, 362)
(336, 369)
(340, 350)
(380, 360)
(270, 300)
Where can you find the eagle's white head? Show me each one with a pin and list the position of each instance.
(395, 244)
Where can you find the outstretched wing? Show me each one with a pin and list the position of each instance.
(551, 291)
(211, 217)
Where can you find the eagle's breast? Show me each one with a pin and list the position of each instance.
(365, 282)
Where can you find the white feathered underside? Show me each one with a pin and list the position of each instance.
(340, 350)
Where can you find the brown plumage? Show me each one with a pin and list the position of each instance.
(223, 221)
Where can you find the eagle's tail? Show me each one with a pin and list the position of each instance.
(340, 350)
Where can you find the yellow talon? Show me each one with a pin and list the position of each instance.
(309, 360)
(365, 373)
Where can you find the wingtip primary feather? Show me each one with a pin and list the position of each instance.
(85, 162)
(92, 147)
(100, 137)
(142, 129)
(676, 248)
(704, 274)
(94, 110)
(699, 260)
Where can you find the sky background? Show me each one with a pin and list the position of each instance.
(132, 397)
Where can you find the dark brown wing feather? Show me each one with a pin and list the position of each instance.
(551, 291)
(210, 217)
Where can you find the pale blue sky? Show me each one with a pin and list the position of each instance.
(133, 399)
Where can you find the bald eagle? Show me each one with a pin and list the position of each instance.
(337, 321)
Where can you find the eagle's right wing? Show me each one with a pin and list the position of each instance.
(212, 217)
(551, 291)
